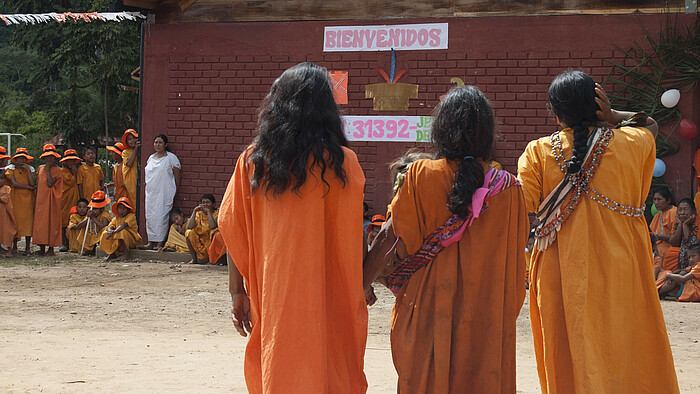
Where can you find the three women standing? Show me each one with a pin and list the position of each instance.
(162, 181)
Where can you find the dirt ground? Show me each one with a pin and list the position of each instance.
(71, 324)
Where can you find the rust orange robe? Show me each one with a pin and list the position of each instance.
(301, 257)
(691, 287)
(47, 215)
(130, 175)
(69, 197)
(217, 248)
(90, 177)
(118, 179)
(595, 313)
(23, 203)
(662, 223)
(453, 323)
(8, 225)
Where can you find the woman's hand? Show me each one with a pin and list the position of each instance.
(690, 221)
(605, 111)
(370, 297)
(240, 313)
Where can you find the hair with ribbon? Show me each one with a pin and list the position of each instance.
(572, 98)
(298, 123)
(463, 125)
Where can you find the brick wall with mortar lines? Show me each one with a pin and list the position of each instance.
(205, 97)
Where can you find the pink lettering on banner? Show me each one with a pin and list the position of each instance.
(422, 36)
(394, 35)
(411, 37)
(347, 37)
(381, 38)
(370, 34)
(356, 38)
(330, 39)
(434, 37)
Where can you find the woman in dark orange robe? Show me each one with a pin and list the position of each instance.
(291, 220)
(47, 214)
(453, 323)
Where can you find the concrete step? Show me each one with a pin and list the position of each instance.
(154, 255)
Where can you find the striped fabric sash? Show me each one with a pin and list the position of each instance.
(495, 181)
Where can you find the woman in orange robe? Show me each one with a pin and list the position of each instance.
(23, 194)
(70, 195)
(294, 232)
(453, 323)
(130, 166)
(47, 215)
(595, 313)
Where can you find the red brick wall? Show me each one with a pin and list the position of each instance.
(204, 82)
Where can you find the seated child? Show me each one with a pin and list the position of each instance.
(122, 234)
(176, 237)
(200, 228)
(8, 226)
(686, 281)
(91, 216)
(374, 226)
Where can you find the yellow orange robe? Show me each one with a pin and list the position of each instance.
(691, 287)
(129, 175)
(696, 166)
(177, 240)
(90, 176)
(118, 179)
(76, 236)
(23, 203)
(8, 225)
(200, 235)
(595, 313)
(303, 252)
(662, 223)
(455, 318)
(69, 197)
(217, 248)
(47, 214)
(130, 235)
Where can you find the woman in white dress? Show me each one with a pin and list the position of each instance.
(162, 182)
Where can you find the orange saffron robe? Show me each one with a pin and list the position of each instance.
(90, 177)
(22, 202)
(691, 287)
(200, 235)
(130, 235)
(129, 175)
(8, 225)
(177, 240)
(118, 179)
(47, 215)
(69, 197)
(595, 313)
(453, 322)
(301, 257)
(662, 223)
(217, 248)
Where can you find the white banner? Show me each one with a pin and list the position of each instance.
(388, 128)
(384, 38)
(16, 19)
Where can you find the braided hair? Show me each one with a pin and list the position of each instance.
(572, 98)
(462, 131)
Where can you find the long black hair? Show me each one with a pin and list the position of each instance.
(165, 140)
(572, 98)
(463, 131)
(665, 192)
(297, 119)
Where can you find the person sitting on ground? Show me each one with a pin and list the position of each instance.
(200, 227)
(686, 282)
(90, 175)
(374, 226)
(662, 227)
(176, 241)
(95, 220)
(8, 226)
(685, 234)
(47, 212)
(76, 222)
(122, 234)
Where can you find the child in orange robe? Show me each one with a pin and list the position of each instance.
(122, 234)
(200, 227)
(3, 158)
(117, 175)
(8, 226)
(130, 167)
(23, 185)
(176, 241)
(687, 280)
(70, 194)
(47, 213)
(90, 175)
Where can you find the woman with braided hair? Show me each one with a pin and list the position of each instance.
(595, 315)
(454, 238)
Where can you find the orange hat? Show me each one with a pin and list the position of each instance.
(117, 148)
(22, 152)
(50, 150)
(126, 133)
(73, 210)
(377, 220)
(123, 201)
(3, 153)
(99, 200)
(70, 154)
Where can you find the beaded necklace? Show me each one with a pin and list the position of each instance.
(581, 184)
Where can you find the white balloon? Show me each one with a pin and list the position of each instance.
(670, 98)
